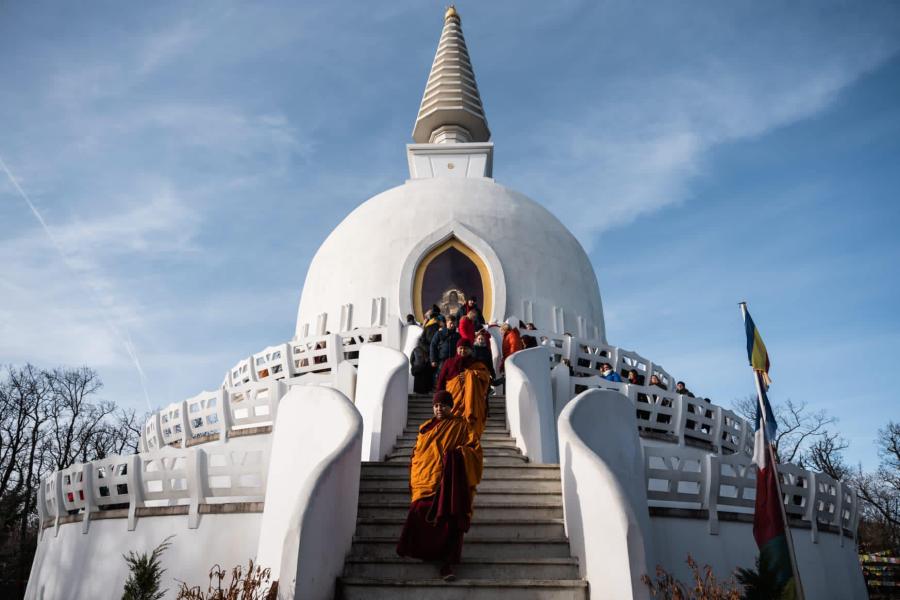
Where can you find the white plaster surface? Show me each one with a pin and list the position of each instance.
(828, 570)
(363, 258)
(310, 510)
(604, 496)
(529, 404)
(382, 394)
(76, 566)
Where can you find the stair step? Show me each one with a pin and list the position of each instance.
(420, 416)
(482, 498)
(488, 430)
(398, 509)
(489, 461)
(519, 471)
(486, 442)
(411, 434)
(398, 568)
(473, 547)
(427, 397)
(489, 451)
(382, 483)
(352, 588)
(494, 529)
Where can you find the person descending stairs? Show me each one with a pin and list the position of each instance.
(516, 547)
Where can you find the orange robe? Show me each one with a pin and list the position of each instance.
(512, 343)
(469, 390)
(437, 437)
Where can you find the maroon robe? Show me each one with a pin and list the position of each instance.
(452, 367)
(435, 525)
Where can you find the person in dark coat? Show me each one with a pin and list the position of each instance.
(420, 367)
(443, 344)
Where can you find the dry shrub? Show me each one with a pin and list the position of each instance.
(255, 584)
(704, 586)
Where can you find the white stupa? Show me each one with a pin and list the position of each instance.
(451, 216)
(300, 458)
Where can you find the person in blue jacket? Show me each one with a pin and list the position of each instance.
(607, 373)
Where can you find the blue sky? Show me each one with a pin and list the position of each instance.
(189, 158)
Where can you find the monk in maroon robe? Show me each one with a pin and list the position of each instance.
(444, 470)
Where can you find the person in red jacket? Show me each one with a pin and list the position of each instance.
(467, 327)
(512, 341)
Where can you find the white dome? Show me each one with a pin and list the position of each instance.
(538, 270)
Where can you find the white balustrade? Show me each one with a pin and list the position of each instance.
(214, 473)
(696, 419)
(680, 477)
(675, 476)
(254, 405)
(274, 362)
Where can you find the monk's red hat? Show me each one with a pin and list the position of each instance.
(442, 397)
(464, 344)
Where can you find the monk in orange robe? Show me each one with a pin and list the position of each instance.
(469, 381)
(444, 471)
(512, 342)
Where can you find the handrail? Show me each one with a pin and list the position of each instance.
(680, 477)
(212, 474)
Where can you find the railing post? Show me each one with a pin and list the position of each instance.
(185, 424)
(680, 417)
(334, 351)
(196, 485)
(223, 414)
(58, 502)
(854, 514)
(718, 428)
(811, 506)
(394, 333)
(276, 393)
(568, 344)
(41, 507)
(135, 489)
(87, 488)
(711, 492)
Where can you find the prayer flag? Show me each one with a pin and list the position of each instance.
(756, 349)
(769, 527)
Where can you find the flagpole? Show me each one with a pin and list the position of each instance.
(757, 378)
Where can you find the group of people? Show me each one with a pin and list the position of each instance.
(443, 335)
(453, 358)
(634, 378)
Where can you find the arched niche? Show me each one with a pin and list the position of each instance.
(448, 275)
(457, 236)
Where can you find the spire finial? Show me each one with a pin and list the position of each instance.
(451, 110)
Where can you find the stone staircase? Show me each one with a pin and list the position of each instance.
(516, 547)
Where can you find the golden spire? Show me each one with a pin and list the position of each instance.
(451, 110)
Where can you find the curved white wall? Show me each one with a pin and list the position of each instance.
(829, 571)
(88, 566)
(364, 257)
(310, 511)
(529, 404)
(381, 398)
(604, 494)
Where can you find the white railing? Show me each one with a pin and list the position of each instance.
(679, 477)
(664, 412)
(217, 413)
(213, 474)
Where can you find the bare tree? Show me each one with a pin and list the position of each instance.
(880, 492)
(798, 427)
(49, 419)
(825, 455)
(76, 419)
